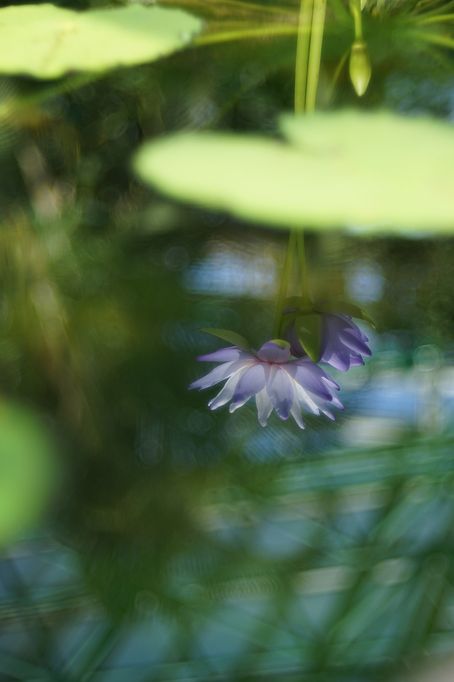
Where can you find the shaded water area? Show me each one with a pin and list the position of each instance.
(144, 537)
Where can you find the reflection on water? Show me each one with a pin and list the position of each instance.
(201, 544)
(234, 272)
(183, 544)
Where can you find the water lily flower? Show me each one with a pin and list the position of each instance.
(343, 344)
(276, 379)
(339, 341)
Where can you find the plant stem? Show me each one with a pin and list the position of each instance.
(302, 54)
(234, 34)
(307, 69)
(318, 24)
(284, 281)
(355, 8)
(303, 276)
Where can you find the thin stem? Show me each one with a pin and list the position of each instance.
(262, 9)
(303, 276)
(302, 54)
(318, 25)
(311, 26)
(357, 20)
(434, 38)
(337, 73)
(435, 19)
(284, 281)
(234, 34)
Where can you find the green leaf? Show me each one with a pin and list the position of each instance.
(309, 329)
(231, 337)
(27, 471)
(345, 308)
(377, 171)
(47, 41)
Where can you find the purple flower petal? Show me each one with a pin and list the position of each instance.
(337, 359)
(354, 342)
(251, 382)
(222, 355)
(343, 342)
(310, 377)
(274, 353)
(280, 391)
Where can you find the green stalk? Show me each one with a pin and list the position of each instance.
(307, 69)
(303, 275)
(318, 25)
(302, 54)
(283, 285)
(245, 33)
(355, 8)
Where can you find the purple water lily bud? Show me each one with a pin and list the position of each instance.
(279, 382)
(343, 344)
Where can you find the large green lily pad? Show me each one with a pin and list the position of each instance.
(378, 171)
(47, 41)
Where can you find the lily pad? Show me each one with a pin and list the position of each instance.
(28, 471)
(46, 41)
(376, 171)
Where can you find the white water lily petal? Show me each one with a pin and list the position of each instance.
(226, 393)
(296, 413)
(218, 374)
(280, 390)
(305, 398)
(264, 406)
(223, 355)
(328, 414)
(214, 377)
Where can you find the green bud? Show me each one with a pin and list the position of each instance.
(359, 67)
(281, 343)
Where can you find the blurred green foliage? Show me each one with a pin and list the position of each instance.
(28, 468)
(181, 543)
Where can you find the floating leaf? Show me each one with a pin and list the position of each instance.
(27, 471)
(47, 41)
(229, 336)
(372, 170)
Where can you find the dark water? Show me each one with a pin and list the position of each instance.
(184, 544)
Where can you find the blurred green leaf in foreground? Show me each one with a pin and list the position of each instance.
(28, 471)
(378, 171)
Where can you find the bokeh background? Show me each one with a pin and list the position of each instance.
(142, 536)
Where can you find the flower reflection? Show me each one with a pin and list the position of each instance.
(278, 381)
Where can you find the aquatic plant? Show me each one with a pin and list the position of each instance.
(276, 379)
